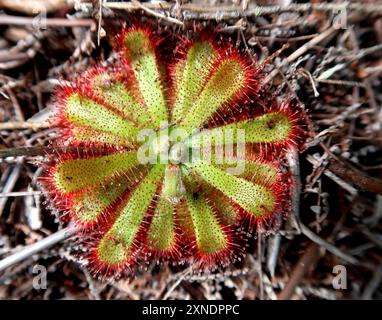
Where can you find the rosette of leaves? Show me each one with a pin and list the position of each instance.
(138, 178)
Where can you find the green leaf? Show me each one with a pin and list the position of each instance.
(254, 198)
(173, 188)
(273, 127)
(119, 96)
(191, 75)
(93, 202)
(161, 234)
(227, 81)
(255, 170)
(116, 245)
(75, 174)
(141, 55)
(210, 237)
(95, 122)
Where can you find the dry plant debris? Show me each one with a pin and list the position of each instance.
(328, 55)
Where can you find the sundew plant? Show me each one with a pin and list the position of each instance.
(172, 154)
